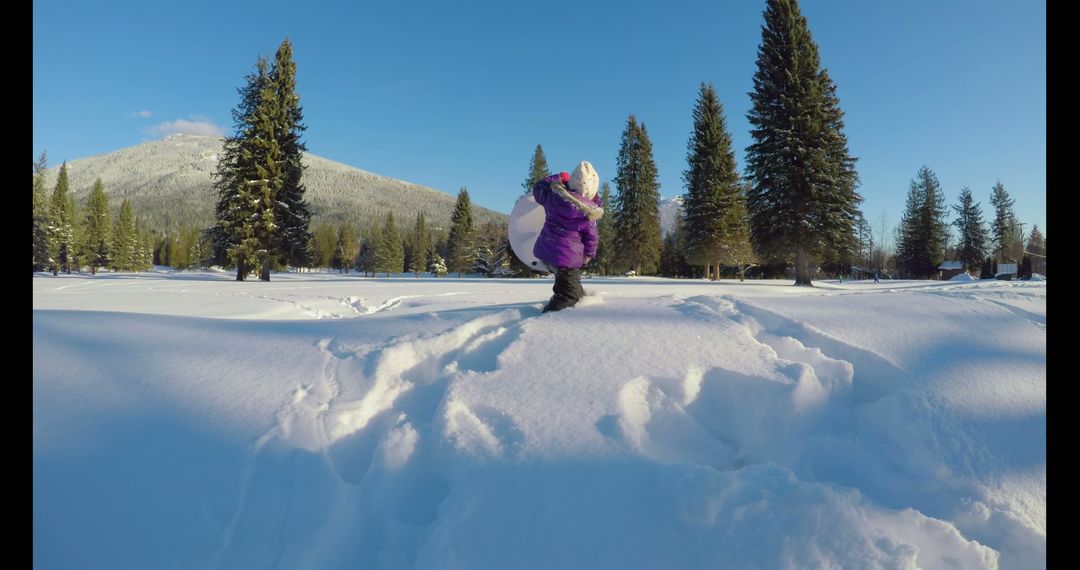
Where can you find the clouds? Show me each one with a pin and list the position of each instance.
(199, 126)
(141, 114)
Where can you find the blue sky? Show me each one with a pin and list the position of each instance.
(459, 94)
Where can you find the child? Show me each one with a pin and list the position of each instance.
(568, 240)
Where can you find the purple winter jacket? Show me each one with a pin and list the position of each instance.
(568, 235)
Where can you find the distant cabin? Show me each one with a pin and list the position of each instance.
(950, 269)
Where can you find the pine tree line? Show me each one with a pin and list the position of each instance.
(389, 249)
(797, 204)
(68, 239)
(923, 238)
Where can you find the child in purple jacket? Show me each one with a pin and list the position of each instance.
(568, 241)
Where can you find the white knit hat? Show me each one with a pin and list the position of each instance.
(584, 180)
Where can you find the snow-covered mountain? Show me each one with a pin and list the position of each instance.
(669, 208)
(170, 179)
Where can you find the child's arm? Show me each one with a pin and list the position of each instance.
(589, 240)
(542, 189)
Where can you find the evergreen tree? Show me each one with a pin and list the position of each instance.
(123, 239)
(971, 247)
(390, 256)
(1016, 242)
(538, 169)
(61, 229)
(42, 261)
(367, 257)
(605, 233)
(78, 239)
(839, 211)
(923, 230)
(143, 252)
(460, 244)
(637, 204)
(421, 246)
(865, 237)
(1036, 247)
(1036, 243)
(1003, 226)
(198, 253)
(265, 153)
(98, 228)
(292, 212)
(802, 203)
(237, 238)
(714, 200)
(437, 265)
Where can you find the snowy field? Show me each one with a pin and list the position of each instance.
(330, 421)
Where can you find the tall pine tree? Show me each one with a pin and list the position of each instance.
(98, 228)
(124, 240)
(1036, 248)
(972, 239)
(389, 253)
(262, 216)
(292, 211)
(1003, 228)
(42, 261)
(538, 169)
(637, 204)
(264, 152)
(802, 202)
(923, 232)
(421, 246)
(235, 233)
(462, 234)
(78, 234)
(61, 226)
(714, 206)
(605, 233)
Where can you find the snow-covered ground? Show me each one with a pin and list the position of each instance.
(330, 421)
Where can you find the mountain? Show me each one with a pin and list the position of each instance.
(168, 182)
(668, 210)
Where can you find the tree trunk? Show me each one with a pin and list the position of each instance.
(802, 269)
(264, 274)
(241, 269)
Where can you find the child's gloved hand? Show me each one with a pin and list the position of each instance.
(562, 181)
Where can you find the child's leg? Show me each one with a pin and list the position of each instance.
(567, 289)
